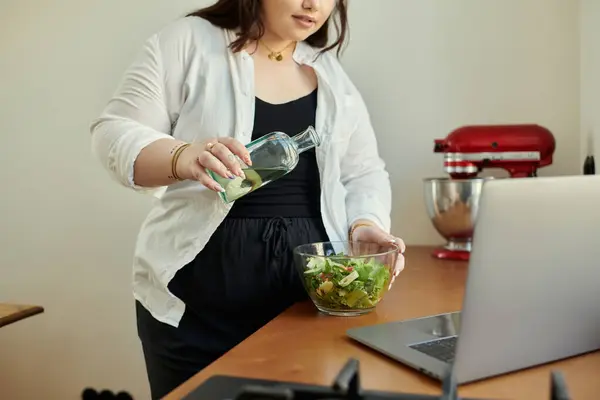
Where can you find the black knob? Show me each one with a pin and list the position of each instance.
(89, 394)
(589, 166)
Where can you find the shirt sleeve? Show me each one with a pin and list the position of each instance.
(135, 117)
(363, 174)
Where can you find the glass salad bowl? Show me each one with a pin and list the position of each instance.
(346, 278)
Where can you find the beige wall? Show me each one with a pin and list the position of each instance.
(424, 66)
(427, 67)
(590, 75)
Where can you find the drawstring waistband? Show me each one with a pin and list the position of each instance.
(276, 237)
(277, 241)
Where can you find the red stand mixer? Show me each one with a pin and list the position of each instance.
(453, 202)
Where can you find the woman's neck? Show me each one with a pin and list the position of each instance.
(274, 41)
(271, 44)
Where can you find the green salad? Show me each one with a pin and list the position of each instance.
(340, 282)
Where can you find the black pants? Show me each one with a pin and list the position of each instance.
(243, 278)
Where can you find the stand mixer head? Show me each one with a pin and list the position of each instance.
(519, 149)
(453, 202)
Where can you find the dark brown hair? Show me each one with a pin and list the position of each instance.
(245, 15)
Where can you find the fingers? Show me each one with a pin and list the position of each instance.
(400, 243)
(227, 158)
(199, 174)
(237, 148)
(399, 267)
(396, 241)
(208, 160)
(217, 155)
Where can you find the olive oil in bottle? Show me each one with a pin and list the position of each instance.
(273, 156)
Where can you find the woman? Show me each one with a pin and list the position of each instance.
(207, 274)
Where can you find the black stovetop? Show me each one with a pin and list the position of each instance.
(345, 386)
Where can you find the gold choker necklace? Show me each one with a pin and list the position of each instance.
(275, 55)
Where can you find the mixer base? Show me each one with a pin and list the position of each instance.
(445, 254)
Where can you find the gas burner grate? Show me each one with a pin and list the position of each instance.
(345, 386)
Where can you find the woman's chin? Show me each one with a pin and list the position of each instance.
(298, 35)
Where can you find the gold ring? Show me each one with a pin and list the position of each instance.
(209, 146)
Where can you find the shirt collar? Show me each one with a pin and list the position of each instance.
(303, 54)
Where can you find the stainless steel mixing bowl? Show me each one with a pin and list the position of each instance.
(452, 205)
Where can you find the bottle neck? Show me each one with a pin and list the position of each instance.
(307, 139)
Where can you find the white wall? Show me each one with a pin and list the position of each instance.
(425, 67)
(436, 65)
(590, 75)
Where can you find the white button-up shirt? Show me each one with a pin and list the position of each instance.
(187, 84)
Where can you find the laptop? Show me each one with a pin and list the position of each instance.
(533, 287)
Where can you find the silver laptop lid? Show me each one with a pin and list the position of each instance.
(533, 290)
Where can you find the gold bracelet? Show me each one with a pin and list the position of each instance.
(353, 228)
(175, 158)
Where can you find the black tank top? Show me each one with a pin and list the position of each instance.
(298, 193)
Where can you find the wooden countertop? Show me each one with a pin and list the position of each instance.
(11, 313)
(301, 345)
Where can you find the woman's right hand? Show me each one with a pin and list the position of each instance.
(216, 154)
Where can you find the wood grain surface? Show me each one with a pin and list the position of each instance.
(304, 346)
(11, 313)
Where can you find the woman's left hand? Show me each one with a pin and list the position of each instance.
(369, 232)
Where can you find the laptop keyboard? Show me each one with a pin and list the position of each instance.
(441, 349)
